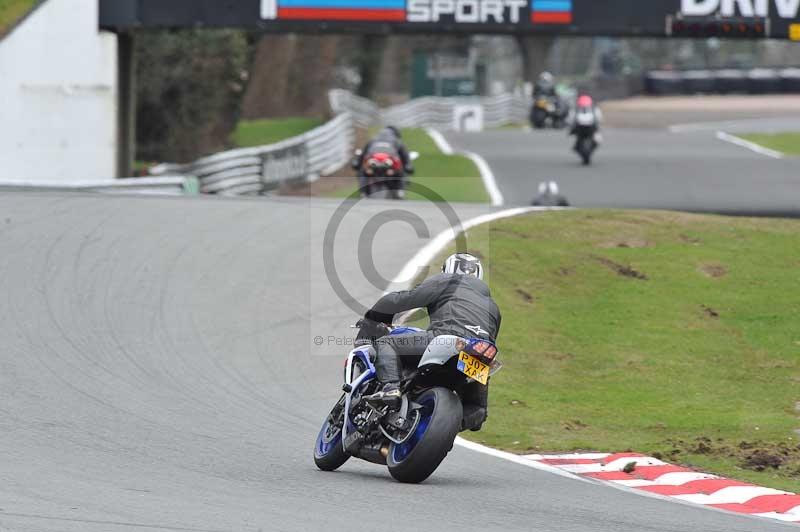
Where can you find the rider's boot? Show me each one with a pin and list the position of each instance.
(389, 395)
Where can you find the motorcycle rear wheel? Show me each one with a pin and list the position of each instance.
(416, 459)
(585, 151)
(538, 119)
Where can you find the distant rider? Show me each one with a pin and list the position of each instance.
(549, 196)
(545, 86)
(586, 120)
(388, 140)
(459, 303)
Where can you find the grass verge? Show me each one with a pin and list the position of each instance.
(11, 11)
(260, 132)
(664, 333)
(788, 143)
(454, 177)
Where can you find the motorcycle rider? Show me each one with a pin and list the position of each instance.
(586, 120)
(549, 196)
(388, 140)
(459, 303)
(545, 86)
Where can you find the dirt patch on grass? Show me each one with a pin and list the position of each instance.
(715, 271)
(503, 231)
(632, 243)
(755, 455)
(621, 269)
(573, 424)
(558, 356)
(527, 297)
(690, 239)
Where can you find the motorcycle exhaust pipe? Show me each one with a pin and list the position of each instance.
(374, 454)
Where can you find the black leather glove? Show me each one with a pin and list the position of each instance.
(369, 331)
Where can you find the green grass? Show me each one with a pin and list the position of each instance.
(788, 143)
(260, 132)
(658, 332)
(11, 11)
(453, 177)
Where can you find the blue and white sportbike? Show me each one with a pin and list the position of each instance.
(413, 440)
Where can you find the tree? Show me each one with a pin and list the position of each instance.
(189, 87)
(535, 49)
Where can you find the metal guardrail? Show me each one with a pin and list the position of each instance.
(725, 81)
(257, 170)
(168, 185)
(327, 148)
(432, 111)
(365, 112)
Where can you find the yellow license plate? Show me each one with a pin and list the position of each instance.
(473, 368)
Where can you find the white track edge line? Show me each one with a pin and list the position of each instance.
(752, 146)
(487, 176)
(439, 140)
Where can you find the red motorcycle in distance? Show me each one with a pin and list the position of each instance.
(382, 170)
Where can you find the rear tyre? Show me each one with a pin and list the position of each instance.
(585, 151)
(415, 460)
(538, 118)
(329, 452)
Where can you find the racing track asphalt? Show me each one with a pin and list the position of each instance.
(642, 168)
(157, 372)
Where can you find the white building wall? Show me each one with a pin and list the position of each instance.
(58, 95)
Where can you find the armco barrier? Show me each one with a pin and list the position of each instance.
(730, 81)
(431, 111)
(171, 185)
(320, 151)
(725, 81)
(663, 83)
(763, 81)
(790, 79)
(698, 81)
(325, 149)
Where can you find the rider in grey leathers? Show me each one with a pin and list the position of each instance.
(459, 303)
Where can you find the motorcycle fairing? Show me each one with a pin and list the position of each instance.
(356, 381)
(444, 347)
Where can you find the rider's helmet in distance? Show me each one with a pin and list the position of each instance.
(584, 100)
(463, 264)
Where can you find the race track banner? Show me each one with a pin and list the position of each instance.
(578, 17)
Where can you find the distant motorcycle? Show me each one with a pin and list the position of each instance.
(413, 441)
(586, 128)
(384, 171)
(586, 143)
(548, 109)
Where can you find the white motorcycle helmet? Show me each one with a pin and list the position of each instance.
(463, 264)
(548, 188)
